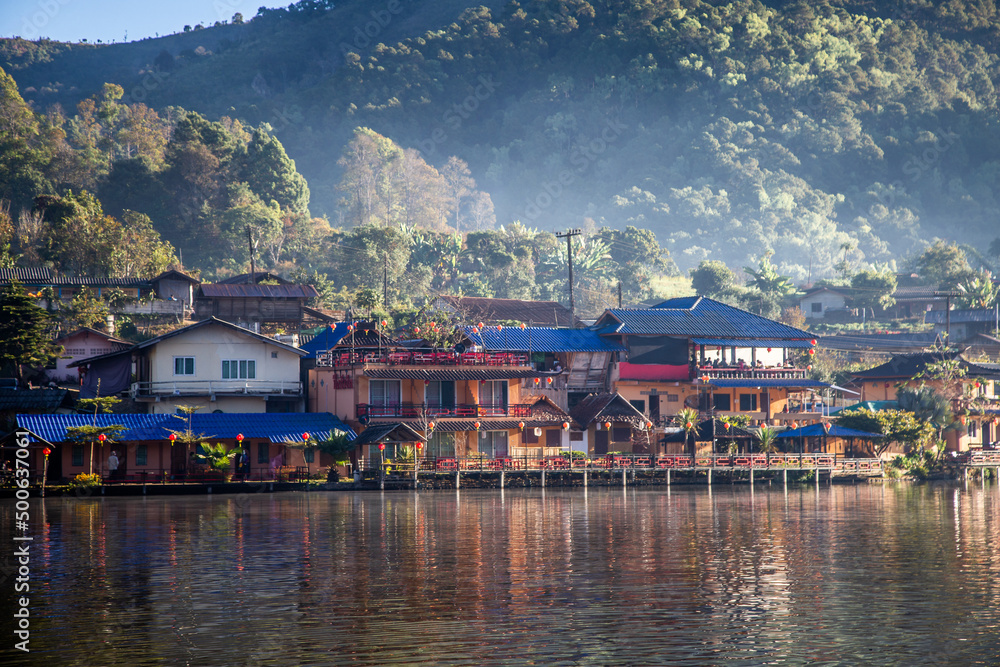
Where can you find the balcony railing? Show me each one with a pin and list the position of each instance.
(336, 358)
(751, 373)
(213, 387)
(430, 410)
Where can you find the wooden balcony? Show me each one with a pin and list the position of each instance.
(339, 359)
(751, 373)
(216, 388)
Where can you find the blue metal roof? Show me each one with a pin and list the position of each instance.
(699, 317)
(751, 342)
(541, 339)
(325, 340)
(817, 430)
(283, 427)
(767, 382)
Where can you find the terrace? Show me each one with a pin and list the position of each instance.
(340, 358)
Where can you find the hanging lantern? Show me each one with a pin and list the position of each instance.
(46, 451)
(649, 425)
(433, 324)
(768, 349)
(481, 326)
(384, 323)
(172, 437)
(607, 426)
(704, 378)
(727, 425)
(381, 446)
(427, 382)
(811, 352)
(475, 330)
(688, 425)
(350, 327)
(523, 326)
(565, 426)
(520, 425)
(420, 445)
(795, 424)
(416, 330)
(548, 380)
(430, 425)
(962, 419)
(976, 385)
(305, 437)
(477, 425)
(239, 437)
(499, 327)
(366, 332)
(809, 367)
(537, 381)
(102, 438)
(812, 342)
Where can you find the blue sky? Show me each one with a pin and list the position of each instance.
(111, 20)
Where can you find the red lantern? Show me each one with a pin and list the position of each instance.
(305, 436)
(427, 382)
(768, 349)
(977, 384)
(565, 426)
(499, 327)
(475, 330)
(962, 419)
(688, 424)
(239, 438)
(523, 326)
(477, 425)
(811, 351)
(649, 425)
(704, 378)
(416, 330)
(102, 438)
(548, 380)
(795, 424)
(172, 437)
(384, 323)
(812, 342)
(350, 327)
(727, 425)
(381, 446)
(537, 381)
(520, 425)
(46, 451)
(420, 446)
(480, 325)
(607, 426)
(430, 425)
(433, 324)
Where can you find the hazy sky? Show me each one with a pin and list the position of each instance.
(111, 20)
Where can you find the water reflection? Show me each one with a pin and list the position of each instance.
(598, 576)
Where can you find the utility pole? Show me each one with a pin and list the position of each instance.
(619, 294)
(947, 309)
(569, 256)
(253, 271)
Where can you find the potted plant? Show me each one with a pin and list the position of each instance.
(219, 460)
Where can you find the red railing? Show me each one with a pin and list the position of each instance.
(429, 410)
(334, 358)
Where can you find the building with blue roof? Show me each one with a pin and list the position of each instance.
(700, 353)
(270, 440)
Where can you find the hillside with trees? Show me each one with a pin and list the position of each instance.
(816, 140)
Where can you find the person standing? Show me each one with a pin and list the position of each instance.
(113, 465)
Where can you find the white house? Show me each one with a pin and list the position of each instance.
(817, 301)
(212, 364)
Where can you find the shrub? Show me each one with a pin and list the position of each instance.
(85, 481)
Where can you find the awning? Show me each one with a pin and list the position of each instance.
(755, 342)
(817, 430)
(768, 383)
(846, 391)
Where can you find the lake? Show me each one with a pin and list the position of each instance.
(688, 575)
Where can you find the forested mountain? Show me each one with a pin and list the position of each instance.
(825, 132)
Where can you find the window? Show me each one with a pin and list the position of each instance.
(441, 445)
(621, 434)
(639, 405)
(440, 394)
(972, 429)
(262, 451)
(673, 398)
(576, 436)
(239, 369)
(553, 438)
(528, 436)
(183, 365)
(274, 355)
(493, 394)
(723, 402)
(384, 392)
(748, 402)
(816, 306)
(77, 455)
(141, 455)
(493, 444)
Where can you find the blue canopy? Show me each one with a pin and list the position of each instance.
(817, 430)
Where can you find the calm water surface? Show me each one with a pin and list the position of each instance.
(848, 575)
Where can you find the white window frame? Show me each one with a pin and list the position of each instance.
(246, 369)
(194, 368)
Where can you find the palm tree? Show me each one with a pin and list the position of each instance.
(767, 440)
(688, 419)
(217, 457)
